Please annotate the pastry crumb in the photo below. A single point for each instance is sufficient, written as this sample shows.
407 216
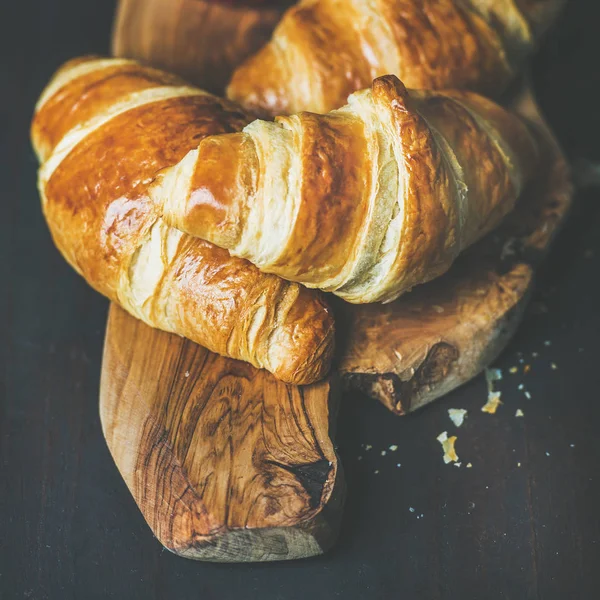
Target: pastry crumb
527 395
448 447
457 464
572 446
518 464
547 453
383 453
519 413
393 448
360 458
521 387
493 374
376 472
368 447
534 354
457 415
187 373
398 465
513 370
469 465
553 366
526 368
411 509
491 406
438 309
547 343
508 248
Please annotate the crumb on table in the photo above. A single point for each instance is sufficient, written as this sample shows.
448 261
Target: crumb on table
448 447
457 415
491 406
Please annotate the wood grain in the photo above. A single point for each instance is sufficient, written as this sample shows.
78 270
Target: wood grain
199 40
225 462
430 341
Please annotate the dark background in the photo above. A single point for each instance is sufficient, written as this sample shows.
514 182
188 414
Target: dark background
70 529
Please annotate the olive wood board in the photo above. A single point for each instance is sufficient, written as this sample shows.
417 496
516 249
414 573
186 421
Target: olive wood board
225 462
201 40
428 342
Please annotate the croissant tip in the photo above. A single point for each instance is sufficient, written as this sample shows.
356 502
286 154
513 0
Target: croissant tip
389 88
262 96
318 366
307 342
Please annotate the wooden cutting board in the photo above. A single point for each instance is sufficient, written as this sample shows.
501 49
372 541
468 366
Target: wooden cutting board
225 462
201 40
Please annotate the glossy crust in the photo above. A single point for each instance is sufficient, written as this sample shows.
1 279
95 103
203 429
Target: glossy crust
103 130
199 40
323 50
366 201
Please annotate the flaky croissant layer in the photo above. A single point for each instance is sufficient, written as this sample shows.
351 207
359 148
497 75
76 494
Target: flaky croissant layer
103 131
366 201
323 50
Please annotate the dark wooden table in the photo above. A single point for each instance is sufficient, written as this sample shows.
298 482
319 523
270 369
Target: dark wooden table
522 522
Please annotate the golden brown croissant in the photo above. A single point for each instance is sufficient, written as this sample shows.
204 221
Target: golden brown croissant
323 50
366 201
103 130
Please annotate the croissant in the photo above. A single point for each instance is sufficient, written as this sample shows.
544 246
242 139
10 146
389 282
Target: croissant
322 50
103 129
366 201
